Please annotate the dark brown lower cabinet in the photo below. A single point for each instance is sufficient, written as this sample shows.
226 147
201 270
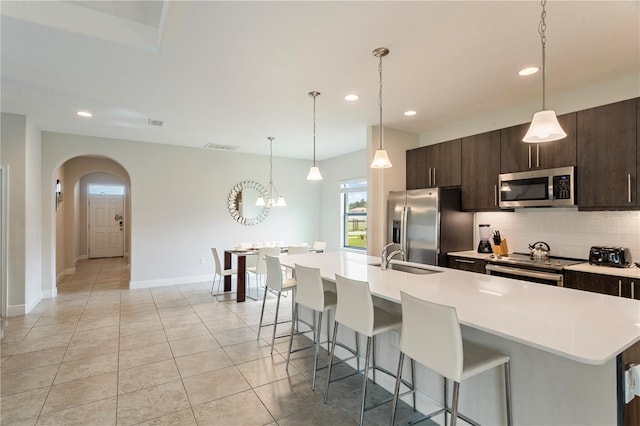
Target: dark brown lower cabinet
600 283
467 264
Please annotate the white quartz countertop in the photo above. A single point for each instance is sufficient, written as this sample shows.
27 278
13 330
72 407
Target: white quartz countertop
632 272
586 327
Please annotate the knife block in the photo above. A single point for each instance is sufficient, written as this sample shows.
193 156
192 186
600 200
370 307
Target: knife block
501 248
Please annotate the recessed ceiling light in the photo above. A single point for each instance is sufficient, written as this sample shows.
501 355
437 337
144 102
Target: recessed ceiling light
352 97
528 71
84 114
410 113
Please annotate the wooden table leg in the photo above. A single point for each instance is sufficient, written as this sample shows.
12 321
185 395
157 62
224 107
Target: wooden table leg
242 273
227 265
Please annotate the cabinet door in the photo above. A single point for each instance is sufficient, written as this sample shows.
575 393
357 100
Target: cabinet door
467 264
447 163
518 156
480 169
597 283
607 156
416 165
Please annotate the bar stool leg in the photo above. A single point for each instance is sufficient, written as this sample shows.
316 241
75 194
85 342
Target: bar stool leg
413 382
357 352
317 344
454 403
507 389
446 399
275 323
295 315
264 301
328 329
333 349
373 357
396 391
365 379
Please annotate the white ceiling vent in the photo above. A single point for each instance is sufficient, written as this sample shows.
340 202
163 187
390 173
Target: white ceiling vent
221 147
158 123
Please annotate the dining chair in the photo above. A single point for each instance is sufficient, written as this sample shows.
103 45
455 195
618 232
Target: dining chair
311 294
355 310
278 284
431 336
298 250
219 272
319 246
259 266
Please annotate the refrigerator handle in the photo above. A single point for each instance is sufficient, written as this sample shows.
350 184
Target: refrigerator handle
403 231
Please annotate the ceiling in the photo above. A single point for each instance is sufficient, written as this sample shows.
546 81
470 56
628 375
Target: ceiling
232 73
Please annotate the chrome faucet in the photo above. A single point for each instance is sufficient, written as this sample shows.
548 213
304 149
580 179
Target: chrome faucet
385 259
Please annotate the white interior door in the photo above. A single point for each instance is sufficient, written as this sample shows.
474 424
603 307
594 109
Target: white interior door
105 231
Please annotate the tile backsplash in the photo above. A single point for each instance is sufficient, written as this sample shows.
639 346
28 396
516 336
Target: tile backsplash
569 232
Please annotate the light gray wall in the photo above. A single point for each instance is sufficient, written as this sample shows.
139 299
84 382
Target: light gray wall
21 153
335 171
179 203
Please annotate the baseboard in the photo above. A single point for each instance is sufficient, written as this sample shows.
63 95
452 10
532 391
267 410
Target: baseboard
33 303
82 257
164 282
60 276
50 294
15 310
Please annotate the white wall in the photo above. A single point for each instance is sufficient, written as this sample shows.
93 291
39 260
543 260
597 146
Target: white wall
569 232
334 171
381 181
179 203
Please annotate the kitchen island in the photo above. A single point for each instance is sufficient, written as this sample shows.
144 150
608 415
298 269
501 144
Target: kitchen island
565 345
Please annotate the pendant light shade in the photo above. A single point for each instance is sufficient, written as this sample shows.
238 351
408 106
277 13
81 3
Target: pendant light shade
544 126
273 192
314 171
381 158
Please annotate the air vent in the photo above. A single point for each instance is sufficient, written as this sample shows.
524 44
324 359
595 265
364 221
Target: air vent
155 122
221 147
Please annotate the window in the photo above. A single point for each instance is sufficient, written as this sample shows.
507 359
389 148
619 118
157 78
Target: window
106 189
353 196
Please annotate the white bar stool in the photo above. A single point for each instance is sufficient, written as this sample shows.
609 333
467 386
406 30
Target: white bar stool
311 293
276 283
431 336
355 310
219 272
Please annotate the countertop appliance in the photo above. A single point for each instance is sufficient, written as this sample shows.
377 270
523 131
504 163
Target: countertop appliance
521 266
428 223
619 257
484 246
538 188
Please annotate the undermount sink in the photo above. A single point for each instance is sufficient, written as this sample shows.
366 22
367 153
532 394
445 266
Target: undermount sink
408 268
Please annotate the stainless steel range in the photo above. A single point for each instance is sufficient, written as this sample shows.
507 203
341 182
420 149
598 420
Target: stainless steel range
520 266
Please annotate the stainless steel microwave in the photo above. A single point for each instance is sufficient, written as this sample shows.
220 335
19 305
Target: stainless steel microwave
537 188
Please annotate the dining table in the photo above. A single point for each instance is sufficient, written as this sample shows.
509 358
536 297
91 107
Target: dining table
241 255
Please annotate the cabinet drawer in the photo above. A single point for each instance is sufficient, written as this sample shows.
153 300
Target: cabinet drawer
467 264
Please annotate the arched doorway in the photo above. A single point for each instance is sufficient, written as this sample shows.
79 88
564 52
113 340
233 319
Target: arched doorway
84 178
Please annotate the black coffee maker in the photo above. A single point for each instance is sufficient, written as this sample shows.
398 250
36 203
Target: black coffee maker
485 233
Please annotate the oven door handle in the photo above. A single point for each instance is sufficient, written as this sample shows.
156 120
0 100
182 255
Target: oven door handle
525 273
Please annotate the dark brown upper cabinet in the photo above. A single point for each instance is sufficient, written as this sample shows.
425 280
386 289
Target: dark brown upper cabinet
434 165
480 169
607 169
518 156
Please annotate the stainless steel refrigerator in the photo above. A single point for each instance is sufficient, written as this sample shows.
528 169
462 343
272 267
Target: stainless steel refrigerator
429 223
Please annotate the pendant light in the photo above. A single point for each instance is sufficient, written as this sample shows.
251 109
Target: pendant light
314 171
272 201
544 126
381 158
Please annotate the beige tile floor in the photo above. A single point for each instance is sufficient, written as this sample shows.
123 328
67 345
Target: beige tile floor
101 354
